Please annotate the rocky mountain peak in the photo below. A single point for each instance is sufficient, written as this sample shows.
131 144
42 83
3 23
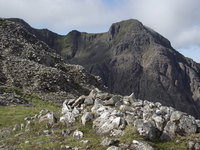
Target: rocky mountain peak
132 29
125 27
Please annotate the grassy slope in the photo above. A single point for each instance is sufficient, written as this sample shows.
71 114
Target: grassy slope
11 115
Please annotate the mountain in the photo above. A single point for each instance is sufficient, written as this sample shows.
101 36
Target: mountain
131 57
29 64
35 80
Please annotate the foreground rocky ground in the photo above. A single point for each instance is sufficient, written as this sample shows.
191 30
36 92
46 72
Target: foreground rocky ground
103 121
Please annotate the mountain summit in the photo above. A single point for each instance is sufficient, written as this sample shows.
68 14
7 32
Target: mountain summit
132 58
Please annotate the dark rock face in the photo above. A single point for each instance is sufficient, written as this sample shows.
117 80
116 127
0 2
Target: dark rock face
133 58
29 64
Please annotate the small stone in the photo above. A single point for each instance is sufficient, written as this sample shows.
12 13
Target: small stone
197 146
125 108
22 126
178 141
113 148
124 146
108 142
27 118
40 142
47 132
26 142
84 141
66 133
68 147
141 145
191 145
28 122
16 127
77 135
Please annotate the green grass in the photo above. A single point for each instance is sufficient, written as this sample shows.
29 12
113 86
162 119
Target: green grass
11 115
130 134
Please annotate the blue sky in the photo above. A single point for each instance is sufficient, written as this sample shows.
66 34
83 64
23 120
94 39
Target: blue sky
177 20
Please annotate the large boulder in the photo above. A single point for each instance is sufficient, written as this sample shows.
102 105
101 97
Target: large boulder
176 116
147 129
169 131
187 125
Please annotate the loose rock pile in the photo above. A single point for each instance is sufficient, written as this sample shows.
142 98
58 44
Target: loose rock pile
110 114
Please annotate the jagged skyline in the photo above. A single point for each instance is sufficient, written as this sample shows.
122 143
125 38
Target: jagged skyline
176 20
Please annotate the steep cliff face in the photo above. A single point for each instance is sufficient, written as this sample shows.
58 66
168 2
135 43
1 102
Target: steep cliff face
29 64
133 58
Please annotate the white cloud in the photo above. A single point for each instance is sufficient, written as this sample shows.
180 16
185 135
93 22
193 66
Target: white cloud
178 20
190 36
168 17
191 52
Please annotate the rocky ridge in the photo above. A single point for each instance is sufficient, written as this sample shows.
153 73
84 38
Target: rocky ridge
29 64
